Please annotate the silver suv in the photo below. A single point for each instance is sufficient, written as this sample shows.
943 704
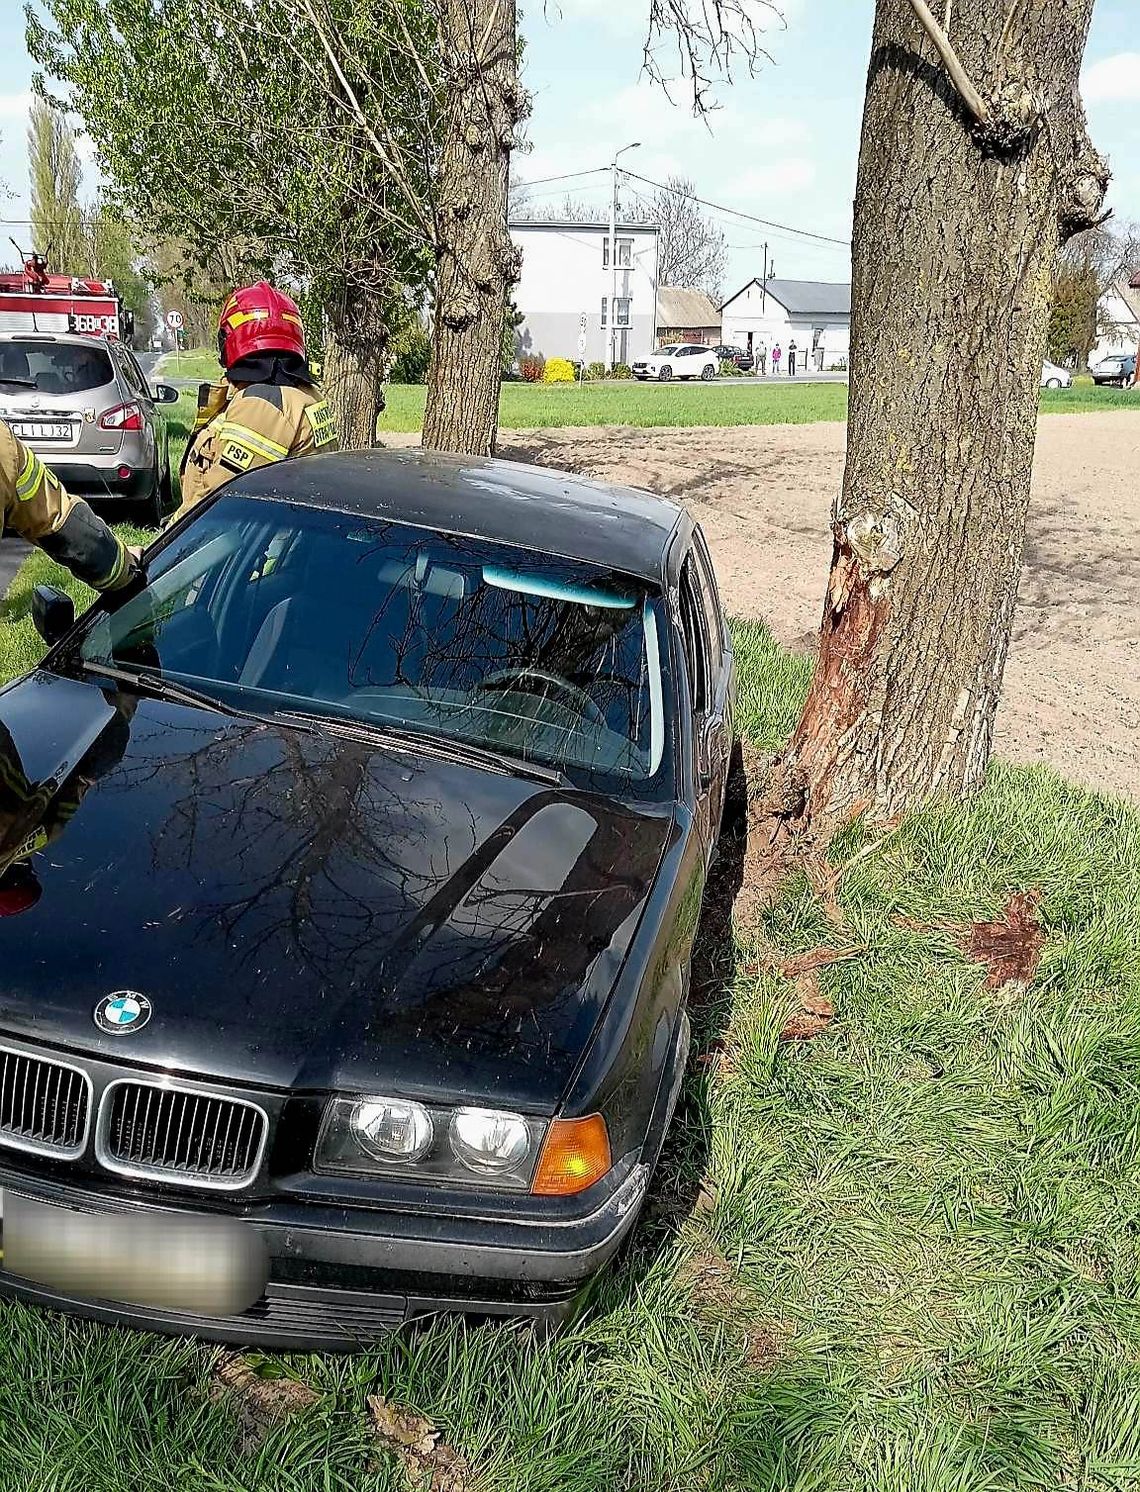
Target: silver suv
84 405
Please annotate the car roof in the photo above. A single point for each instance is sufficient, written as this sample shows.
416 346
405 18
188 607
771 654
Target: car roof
76 339
533 507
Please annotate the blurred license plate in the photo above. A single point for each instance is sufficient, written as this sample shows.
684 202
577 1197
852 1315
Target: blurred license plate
35 430
207 1266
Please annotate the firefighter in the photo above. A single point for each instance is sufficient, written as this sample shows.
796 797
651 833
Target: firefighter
268 408
34 504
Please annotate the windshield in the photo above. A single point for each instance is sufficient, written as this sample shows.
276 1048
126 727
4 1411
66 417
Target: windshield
53 367
276 607
670 351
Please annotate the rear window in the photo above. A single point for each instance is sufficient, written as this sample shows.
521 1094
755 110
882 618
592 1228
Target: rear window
53 367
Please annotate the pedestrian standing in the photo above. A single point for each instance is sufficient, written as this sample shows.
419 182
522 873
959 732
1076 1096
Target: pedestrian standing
776 356
791 359
762 358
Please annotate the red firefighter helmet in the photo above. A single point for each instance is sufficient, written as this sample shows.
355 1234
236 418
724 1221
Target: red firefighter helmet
259 318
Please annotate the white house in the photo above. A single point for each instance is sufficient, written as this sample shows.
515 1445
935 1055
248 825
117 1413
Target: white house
1118 313
812 313
566 286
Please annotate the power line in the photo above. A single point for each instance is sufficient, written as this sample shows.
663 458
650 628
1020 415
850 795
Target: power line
736 213
566 176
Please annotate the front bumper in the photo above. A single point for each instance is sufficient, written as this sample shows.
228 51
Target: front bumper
341 1277
342 1272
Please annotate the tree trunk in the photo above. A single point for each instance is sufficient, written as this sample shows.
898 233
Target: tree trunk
353 372
476 263
957 226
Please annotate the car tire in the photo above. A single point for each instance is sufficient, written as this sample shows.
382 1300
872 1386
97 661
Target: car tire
149 511
708 373
166 492
1053 383
664 373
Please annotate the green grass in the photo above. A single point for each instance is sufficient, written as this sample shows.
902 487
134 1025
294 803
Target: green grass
528 406
903 1257
197 363
525 406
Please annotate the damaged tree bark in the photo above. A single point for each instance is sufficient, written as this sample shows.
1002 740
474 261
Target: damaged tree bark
476 262
959 214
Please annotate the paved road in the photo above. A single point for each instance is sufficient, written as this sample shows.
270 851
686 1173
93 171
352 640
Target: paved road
13 552
799 378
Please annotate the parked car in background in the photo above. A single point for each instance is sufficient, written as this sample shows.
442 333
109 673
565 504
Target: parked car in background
349 878
1117 370
83 404
742 358
679 360
1054 377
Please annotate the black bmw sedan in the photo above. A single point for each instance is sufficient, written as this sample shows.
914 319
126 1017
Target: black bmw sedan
349 873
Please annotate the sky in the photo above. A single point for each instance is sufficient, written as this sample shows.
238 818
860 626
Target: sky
783 146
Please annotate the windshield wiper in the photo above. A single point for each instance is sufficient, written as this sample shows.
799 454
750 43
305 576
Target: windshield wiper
148 682
444 746
20 383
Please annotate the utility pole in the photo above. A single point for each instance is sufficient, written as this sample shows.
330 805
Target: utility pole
764 285
613 253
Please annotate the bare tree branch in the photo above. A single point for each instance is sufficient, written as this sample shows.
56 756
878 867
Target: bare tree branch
709 37
958 75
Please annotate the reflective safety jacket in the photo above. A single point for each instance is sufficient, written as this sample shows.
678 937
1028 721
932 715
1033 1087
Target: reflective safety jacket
34 504
240 429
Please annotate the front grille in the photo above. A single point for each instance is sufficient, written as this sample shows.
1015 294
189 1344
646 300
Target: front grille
182 1135
45 1106
320 1316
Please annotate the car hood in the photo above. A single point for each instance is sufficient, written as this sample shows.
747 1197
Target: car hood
306 911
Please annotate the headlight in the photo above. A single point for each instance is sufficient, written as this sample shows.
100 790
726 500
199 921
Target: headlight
392 1130
372 1136
489 1141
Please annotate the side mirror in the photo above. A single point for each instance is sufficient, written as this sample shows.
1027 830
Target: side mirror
53 613
165 393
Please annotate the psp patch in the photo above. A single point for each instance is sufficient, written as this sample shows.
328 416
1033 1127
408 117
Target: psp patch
321 423
235 457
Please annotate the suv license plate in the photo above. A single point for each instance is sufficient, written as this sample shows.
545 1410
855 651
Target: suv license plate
27 430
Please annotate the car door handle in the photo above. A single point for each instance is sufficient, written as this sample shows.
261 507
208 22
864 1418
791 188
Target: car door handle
707 735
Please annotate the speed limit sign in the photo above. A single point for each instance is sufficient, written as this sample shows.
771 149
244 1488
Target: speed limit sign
174 320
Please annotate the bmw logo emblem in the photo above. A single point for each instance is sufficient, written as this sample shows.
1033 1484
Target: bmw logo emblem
122 1013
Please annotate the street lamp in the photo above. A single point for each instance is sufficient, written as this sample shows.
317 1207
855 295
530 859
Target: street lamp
613 250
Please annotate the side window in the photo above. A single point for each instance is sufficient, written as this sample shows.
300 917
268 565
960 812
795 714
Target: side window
133 375
693 628
710 596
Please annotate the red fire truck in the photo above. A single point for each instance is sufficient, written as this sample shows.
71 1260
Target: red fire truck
32 300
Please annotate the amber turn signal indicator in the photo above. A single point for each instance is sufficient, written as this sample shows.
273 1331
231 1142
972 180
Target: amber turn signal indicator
576 1153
